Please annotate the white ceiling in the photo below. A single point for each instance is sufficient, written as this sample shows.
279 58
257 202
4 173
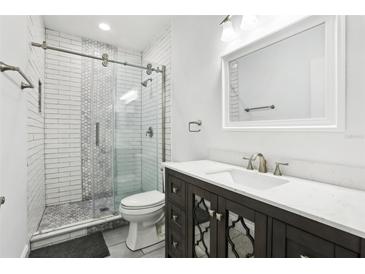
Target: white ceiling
129 31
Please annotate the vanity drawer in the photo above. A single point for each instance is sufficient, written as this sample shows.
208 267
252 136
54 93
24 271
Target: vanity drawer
176 245
176 190
300 244
177 220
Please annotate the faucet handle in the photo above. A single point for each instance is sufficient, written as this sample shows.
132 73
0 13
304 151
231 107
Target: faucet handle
249 165
277 171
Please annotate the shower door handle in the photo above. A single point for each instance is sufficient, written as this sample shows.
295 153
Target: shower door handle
97 134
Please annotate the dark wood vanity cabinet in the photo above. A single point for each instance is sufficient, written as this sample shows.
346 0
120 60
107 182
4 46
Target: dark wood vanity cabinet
204 220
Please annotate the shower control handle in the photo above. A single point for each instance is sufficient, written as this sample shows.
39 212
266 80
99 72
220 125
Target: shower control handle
149 132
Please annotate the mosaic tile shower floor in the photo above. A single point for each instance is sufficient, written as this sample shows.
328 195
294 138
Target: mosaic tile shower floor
69 213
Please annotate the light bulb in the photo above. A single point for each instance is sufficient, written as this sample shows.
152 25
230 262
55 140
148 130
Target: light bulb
104 26
228 33
248 22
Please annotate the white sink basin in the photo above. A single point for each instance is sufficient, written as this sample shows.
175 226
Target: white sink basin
250 179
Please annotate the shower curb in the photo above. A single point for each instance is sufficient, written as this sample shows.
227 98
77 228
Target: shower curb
69 232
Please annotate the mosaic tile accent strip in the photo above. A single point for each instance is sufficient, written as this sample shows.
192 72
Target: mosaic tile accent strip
98 87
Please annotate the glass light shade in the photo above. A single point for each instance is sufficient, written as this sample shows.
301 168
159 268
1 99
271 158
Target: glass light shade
228 33
248 22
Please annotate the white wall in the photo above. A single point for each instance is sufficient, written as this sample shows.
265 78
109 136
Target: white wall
35 126
196 51
13 117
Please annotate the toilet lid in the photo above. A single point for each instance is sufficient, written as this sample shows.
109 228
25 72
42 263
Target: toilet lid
144 199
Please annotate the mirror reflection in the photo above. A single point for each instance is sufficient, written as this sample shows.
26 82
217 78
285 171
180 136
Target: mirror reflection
284 80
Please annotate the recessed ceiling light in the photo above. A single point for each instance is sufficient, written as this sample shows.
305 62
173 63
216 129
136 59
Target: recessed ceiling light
104 26
248 22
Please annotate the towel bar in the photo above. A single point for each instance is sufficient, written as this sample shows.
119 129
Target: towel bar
5 67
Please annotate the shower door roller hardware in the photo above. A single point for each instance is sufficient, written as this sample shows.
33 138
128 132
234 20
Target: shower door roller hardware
198 123
149 132
105 58
2 200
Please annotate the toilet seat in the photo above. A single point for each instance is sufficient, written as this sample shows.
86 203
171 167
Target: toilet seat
145 200
140 211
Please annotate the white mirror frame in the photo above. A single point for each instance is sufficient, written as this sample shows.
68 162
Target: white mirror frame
334 119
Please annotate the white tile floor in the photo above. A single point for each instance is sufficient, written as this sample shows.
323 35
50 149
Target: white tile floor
115 240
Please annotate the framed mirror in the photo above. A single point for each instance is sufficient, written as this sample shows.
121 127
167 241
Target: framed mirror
292 79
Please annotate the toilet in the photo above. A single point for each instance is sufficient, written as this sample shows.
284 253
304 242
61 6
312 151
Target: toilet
143 211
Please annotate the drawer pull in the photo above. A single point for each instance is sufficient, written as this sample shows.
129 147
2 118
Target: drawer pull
219 216
303 256
175 244
174 217
175 189
211 212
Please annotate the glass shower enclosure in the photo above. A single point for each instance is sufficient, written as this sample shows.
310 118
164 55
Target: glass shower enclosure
120 135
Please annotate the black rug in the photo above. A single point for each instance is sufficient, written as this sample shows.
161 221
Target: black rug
90 246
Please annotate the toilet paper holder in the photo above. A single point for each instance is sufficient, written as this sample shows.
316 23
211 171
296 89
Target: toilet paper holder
198 123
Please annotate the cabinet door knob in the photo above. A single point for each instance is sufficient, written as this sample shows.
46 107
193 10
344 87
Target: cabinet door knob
219 216
175 244
175 189
174 217
211 212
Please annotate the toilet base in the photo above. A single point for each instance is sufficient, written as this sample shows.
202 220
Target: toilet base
141 236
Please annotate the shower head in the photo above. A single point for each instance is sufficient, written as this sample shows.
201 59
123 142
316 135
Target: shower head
144 83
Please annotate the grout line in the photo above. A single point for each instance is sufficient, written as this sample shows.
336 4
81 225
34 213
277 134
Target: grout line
123 242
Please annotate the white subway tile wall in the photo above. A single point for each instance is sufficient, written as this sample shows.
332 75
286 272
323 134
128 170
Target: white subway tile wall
35 126
158 53
62 120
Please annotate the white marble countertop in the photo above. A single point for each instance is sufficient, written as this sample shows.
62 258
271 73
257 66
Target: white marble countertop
336 206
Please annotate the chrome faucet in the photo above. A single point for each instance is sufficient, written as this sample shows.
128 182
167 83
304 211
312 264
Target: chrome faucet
262 162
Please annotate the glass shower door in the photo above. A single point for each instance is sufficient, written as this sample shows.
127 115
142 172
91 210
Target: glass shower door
151 130
137 131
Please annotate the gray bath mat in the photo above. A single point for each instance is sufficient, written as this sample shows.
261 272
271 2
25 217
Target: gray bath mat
90 246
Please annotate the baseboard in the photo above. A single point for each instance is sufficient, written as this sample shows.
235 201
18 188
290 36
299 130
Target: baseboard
25 252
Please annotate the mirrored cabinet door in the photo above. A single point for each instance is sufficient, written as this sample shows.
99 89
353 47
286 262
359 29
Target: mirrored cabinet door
202 226
241 231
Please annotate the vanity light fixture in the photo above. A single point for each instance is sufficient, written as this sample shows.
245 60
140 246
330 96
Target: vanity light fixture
228 33
104 26
248 22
